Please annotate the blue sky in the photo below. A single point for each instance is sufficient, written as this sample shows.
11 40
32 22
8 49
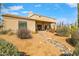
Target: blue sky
62 12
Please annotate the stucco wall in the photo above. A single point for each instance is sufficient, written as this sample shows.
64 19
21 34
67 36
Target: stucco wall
31 25
12 23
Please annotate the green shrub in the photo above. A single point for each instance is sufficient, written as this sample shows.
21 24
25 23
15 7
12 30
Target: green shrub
4 31
51 30
8 49
73 42
74 37
11 33
63 31
73 29
76 51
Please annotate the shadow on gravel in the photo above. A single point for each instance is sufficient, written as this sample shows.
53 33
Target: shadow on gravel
59 35
23 54
71 42
66 55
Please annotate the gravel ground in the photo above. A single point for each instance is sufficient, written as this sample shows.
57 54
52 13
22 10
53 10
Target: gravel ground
37 46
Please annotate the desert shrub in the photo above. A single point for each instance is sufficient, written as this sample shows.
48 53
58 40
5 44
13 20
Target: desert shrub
8 49
74 36
76 51
51 30
73 28
63 31
4 31
11 33
24 34
72 41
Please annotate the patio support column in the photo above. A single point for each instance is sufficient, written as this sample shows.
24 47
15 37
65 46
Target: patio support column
42 27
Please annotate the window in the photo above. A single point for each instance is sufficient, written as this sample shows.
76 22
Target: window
22 25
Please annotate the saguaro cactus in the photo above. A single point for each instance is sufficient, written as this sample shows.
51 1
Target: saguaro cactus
78 13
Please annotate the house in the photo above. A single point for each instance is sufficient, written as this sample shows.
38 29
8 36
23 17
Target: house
32 22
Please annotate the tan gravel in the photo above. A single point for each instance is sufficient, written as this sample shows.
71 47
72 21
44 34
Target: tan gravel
36 46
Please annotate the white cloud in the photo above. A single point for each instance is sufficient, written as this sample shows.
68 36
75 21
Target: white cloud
16 7
72 5
15 13
24 11
4 10
37 5
7 11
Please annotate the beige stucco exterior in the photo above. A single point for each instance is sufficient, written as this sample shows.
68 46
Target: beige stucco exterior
10 22
31 25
